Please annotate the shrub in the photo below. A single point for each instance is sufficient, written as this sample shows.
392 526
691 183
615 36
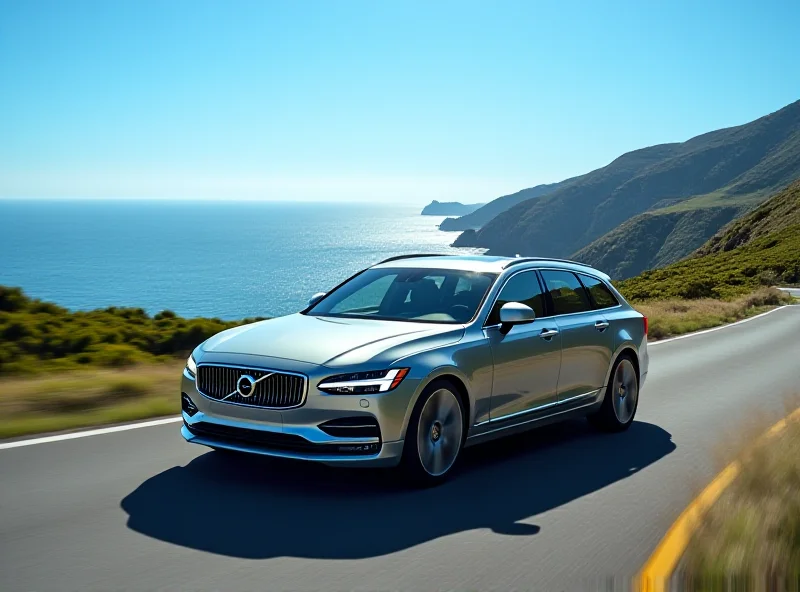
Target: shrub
165 314
12 299
117 355
39 336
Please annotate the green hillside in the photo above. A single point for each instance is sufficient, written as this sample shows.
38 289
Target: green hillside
781 211
729 168
655 239
626 251
762 248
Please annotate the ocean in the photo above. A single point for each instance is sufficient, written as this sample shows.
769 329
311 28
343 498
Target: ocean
230 260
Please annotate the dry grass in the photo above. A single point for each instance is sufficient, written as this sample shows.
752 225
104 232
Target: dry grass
76 399
750 539
676 317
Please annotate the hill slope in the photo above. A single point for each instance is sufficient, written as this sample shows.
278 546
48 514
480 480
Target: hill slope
497 206
777 213
762 248
736 166
654 239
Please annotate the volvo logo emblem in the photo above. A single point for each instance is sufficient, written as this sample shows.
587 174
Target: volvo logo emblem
245 386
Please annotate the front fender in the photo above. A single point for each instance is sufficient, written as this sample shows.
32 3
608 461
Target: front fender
469 361
447 371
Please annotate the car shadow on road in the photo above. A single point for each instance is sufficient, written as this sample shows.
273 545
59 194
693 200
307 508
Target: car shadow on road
257 507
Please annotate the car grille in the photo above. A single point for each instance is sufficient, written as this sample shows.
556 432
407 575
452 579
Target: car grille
278 390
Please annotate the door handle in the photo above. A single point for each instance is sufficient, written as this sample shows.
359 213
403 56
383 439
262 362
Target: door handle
548 333
601 325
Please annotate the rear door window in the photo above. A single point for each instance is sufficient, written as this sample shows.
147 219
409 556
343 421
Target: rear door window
567 293
602 296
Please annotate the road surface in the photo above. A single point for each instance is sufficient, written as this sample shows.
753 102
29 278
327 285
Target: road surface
559 508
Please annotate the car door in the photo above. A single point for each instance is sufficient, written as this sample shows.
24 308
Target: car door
586 341
526 358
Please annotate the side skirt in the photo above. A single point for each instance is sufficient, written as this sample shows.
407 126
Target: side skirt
535 418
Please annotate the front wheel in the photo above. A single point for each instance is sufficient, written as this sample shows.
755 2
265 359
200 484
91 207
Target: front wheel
435 434
621 399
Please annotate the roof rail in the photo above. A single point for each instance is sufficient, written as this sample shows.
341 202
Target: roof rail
411 256
527 259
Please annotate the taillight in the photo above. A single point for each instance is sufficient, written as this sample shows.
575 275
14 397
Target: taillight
646 325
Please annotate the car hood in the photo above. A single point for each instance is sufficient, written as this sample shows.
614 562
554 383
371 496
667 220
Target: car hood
331 341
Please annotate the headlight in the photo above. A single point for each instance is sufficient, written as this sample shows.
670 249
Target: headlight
191 366
357 383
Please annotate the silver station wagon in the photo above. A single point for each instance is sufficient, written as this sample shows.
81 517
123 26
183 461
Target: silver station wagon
411 360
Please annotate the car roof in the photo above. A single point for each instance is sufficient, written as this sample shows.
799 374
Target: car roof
484 263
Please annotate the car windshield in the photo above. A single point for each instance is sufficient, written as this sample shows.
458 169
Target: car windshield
401 294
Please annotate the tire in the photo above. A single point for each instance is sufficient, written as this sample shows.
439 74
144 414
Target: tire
621 398
435 435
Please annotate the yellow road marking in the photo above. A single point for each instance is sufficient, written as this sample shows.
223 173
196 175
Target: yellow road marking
656 572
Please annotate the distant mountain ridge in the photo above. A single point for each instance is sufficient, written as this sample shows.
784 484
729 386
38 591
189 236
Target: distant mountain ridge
728 170
448 208
497 206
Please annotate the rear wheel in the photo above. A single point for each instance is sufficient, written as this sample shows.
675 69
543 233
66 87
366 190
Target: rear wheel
621 399
435 434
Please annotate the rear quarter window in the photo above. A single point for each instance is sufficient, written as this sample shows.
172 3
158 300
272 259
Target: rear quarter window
602 296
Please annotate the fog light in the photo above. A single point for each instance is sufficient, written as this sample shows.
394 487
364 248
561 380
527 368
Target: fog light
187 405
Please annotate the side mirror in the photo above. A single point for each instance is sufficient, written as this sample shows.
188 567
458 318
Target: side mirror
515 313
316 298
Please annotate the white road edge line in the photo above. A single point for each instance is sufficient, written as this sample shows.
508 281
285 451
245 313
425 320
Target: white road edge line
166 420
703 332
87 433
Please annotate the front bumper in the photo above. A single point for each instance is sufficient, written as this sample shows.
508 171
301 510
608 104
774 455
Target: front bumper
388 456
295 433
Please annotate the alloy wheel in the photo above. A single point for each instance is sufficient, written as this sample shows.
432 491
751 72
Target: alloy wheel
625 391
439 432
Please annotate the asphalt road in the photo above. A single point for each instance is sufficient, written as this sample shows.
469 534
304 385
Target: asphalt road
558 508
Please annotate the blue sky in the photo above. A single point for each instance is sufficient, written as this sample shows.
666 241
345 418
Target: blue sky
394 101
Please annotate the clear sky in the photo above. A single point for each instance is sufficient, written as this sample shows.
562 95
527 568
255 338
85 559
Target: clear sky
374 100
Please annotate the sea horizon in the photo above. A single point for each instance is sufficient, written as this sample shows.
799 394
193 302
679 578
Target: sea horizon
207 258
201 200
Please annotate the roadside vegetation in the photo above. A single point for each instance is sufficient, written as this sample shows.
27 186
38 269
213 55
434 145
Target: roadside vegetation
66 400
750 538
676 316
39 337
61 370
